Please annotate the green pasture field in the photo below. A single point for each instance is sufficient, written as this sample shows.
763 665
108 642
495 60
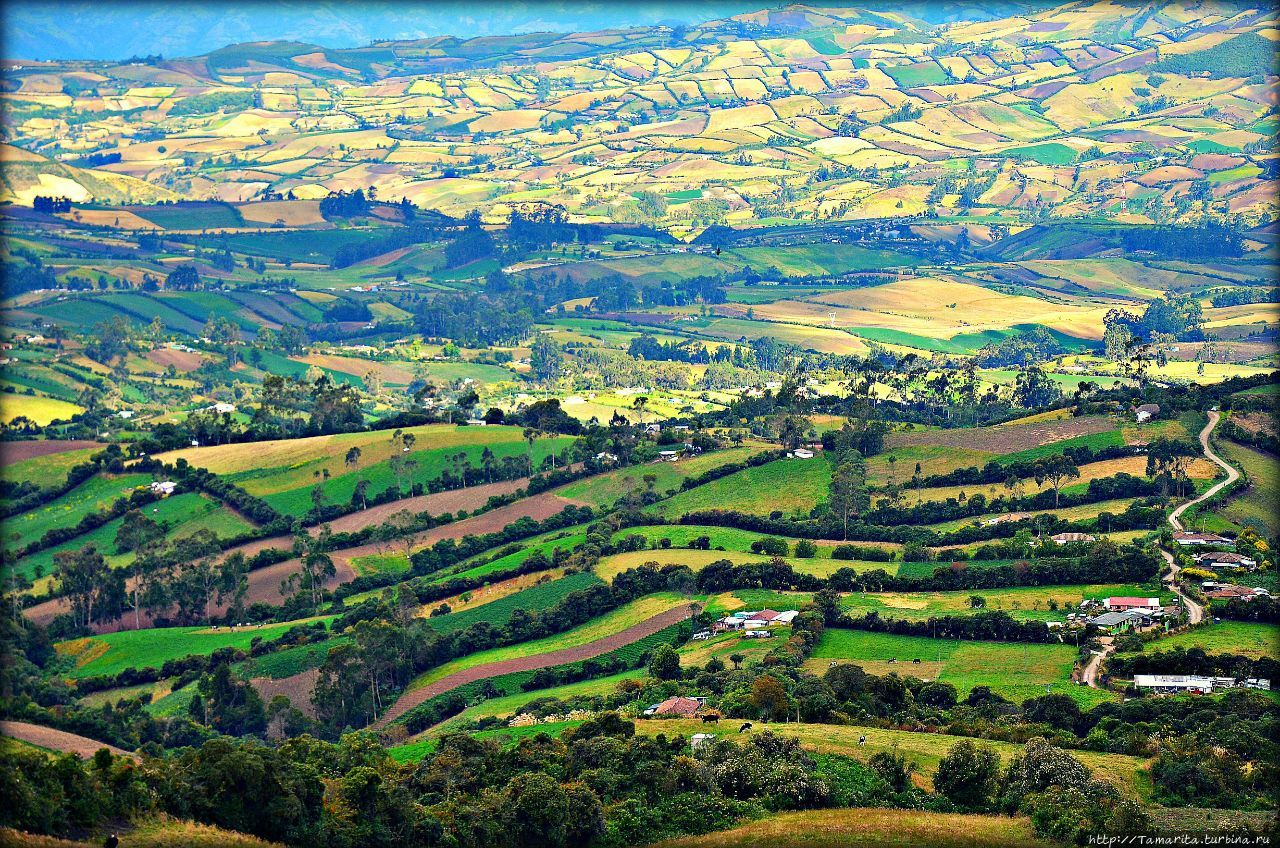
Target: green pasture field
509 684
603 490
424 746
1247 638
144 309
597 628
112 653
611 566
1015 670
289 661
1047 153
729 538
925 749
1024 602
391 562
274 363
913 76
1260 502
271 483
42 379
47 471
1069 513
314 246
183 514
498 612
786 485
96 493
507 705
545 545
190 216
820 259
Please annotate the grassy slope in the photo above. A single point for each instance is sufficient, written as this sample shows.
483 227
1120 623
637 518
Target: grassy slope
112 653
788 485
1014 670
597 628
867 827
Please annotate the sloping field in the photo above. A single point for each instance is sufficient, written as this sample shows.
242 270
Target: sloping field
58 740
494 604
544 653
926 749
1016 671
787 485
855 827
1005 439
602 490
114 652
435 504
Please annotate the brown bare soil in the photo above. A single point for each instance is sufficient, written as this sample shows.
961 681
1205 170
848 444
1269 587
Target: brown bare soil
1012 438
58 740
297 688
436 504
553 658
182 360
264 583
11 452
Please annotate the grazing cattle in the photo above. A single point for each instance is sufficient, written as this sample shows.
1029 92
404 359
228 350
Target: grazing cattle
862 740
893 659
712 718
745 727
917 662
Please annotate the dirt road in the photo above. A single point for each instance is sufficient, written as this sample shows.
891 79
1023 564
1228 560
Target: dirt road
553 658
1195 612
1232 474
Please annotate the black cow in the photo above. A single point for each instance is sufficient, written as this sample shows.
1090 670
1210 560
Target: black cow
745 727
711 718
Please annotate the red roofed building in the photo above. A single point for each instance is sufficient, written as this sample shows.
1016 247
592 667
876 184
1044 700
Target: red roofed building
764 615
1126 604
679 705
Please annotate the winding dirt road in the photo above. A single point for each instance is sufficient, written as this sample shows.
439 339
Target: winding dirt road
552 658
1195 611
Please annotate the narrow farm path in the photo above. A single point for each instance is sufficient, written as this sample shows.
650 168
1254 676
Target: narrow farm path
58 740
552 658
1232 474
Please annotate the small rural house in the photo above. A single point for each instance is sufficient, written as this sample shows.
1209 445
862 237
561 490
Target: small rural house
677 705
1231 592
801 453
1225 559
1146 412
1067 538
164 488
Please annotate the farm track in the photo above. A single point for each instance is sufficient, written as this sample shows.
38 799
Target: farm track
552 658
264 583
58 740
1195 610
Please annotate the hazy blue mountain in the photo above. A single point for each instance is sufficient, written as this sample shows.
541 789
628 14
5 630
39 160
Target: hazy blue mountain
120 29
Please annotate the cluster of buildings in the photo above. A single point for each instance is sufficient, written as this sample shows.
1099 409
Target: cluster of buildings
1225 560
1194 684
1216 591
1122 614
754 625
